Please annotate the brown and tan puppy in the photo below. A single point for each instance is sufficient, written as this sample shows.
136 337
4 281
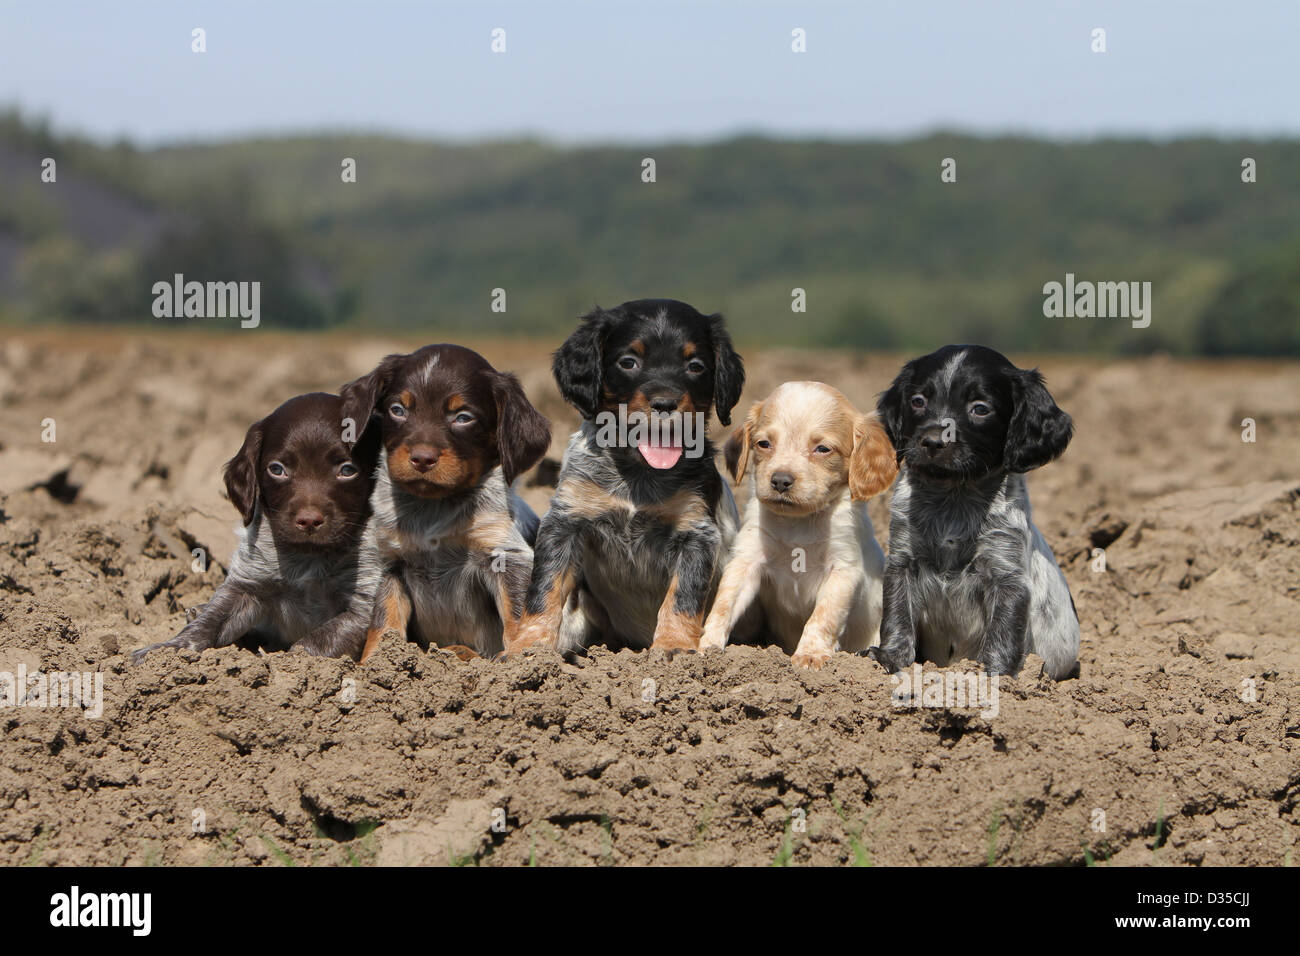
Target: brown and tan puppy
805 571
307 568
455 538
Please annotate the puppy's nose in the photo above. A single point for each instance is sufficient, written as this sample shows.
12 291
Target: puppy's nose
664 403
309 520
424 457
782 480
933 441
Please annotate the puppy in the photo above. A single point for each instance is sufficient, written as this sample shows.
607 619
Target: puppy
307 569
969 575
630 553
805 570
455 539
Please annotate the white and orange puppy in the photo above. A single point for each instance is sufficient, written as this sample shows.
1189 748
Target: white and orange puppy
805 570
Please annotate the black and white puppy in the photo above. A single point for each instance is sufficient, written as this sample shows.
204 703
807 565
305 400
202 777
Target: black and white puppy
307 567
968 574
633 546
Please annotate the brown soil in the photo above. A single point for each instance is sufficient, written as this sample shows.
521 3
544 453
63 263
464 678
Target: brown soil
734 758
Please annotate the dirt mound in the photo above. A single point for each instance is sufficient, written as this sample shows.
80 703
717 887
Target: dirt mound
1176 745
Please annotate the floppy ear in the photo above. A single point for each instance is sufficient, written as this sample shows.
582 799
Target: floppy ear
873 466
242 474
736 451
523 434
1039 430
360 396
728 370
577 363
889 410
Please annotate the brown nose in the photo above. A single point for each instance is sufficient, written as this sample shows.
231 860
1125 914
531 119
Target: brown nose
424 457
309 520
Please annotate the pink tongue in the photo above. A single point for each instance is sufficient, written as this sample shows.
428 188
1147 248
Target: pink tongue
660 456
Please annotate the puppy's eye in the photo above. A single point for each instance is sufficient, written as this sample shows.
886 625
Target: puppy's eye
918 402
980 410
463 418
348 470
397 410
763 443
695 366
821 450
276 470
629 363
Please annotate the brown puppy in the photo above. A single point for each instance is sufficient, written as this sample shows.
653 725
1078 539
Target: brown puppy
455 539
306 570
805 571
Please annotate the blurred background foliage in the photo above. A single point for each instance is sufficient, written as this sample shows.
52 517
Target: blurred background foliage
888 255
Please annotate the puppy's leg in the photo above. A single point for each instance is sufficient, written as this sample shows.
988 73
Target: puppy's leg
1006 616
897 648
343 635
835 598
739 587
392 612
680 623
229 615
582 624
508 571
554 576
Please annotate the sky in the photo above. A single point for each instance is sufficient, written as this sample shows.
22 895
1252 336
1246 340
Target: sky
618 71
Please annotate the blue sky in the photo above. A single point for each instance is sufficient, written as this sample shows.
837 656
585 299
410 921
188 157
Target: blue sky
629 72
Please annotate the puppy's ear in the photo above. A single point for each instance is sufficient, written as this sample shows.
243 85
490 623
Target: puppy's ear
242 474
523 434
889 410
577 363
1039 430
365 452
728 370
736 451
873 466
360 396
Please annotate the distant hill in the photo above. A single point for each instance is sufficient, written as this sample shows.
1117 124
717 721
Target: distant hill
889 256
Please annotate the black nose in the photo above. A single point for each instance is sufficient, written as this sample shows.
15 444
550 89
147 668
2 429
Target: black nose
933 441
782 480
309 520
664 404
424 457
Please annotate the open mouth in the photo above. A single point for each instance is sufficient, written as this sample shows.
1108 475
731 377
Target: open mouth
658 454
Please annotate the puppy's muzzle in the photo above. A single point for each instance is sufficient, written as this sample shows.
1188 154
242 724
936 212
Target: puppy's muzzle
309 520
782 481
933 445
424 457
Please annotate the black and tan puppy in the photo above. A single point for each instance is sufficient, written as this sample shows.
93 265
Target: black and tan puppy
632 548
455 539
306 570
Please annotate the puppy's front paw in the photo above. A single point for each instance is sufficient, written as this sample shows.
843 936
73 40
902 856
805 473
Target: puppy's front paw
138 655
676 634
528 634
713 639
460 652
810 660
883 658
